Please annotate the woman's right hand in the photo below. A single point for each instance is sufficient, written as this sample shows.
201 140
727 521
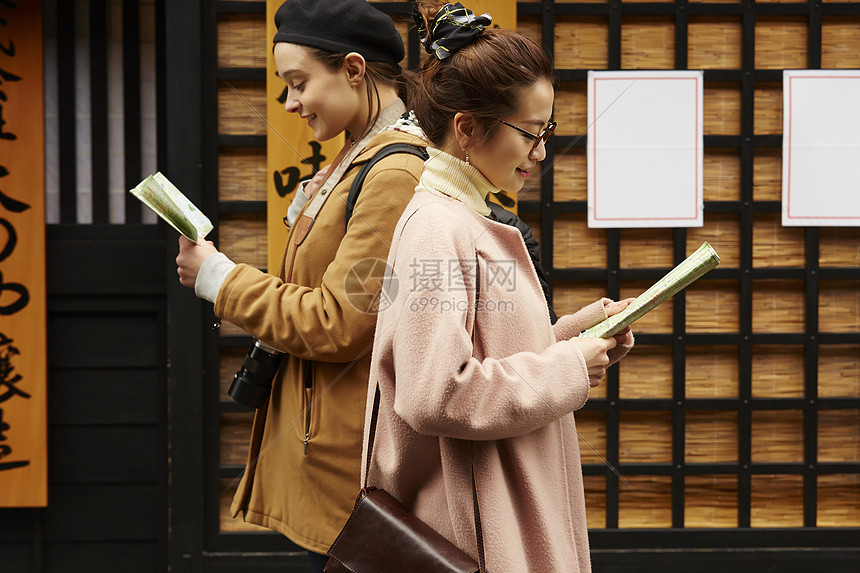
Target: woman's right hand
190 258
596 354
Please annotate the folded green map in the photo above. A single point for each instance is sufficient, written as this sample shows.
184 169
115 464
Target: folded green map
168 202
700 262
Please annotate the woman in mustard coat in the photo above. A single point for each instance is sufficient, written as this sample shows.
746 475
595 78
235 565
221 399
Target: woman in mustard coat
339 61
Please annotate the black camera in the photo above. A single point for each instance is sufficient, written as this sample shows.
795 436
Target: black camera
252 384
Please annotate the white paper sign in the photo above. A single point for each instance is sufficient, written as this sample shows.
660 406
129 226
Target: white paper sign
821 148
645 149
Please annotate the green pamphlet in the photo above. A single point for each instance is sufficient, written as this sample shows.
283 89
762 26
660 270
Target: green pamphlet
693 267
168 202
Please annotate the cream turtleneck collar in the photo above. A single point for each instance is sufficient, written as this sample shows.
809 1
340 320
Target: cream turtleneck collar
457 179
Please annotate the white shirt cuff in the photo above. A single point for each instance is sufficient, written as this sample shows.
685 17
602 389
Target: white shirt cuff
212 274
298 202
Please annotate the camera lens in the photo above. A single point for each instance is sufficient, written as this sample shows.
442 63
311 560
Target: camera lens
252 384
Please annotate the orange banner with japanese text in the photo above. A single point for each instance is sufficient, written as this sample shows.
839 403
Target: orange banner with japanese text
23 322
292 154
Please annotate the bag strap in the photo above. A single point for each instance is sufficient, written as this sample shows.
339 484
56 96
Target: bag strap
357 183
479 532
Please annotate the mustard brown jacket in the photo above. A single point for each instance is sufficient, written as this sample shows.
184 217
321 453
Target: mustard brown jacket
303 467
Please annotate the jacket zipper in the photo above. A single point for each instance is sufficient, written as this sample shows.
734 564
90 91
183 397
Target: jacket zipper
308 402
307 419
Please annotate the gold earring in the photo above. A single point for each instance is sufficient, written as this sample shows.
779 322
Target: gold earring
467 157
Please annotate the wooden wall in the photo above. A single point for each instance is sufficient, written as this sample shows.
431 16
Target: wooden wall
740 406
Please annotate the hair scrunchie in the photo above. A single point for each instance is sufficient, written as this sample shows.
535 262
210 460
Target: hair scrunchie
453 28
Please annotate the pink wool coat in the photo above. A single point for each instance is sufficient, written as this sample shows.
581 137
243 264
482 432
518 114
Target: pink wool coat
489 383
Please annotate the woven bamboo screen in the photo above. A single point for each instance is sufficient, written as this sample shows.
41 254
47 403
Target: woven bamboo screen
740 405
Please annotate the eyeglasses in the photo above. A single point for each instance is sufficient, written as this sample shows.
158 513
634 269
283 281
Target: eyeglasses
542 136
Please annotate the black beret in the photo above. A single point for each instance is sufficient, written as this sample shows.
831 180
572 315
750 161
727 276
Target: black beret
340 26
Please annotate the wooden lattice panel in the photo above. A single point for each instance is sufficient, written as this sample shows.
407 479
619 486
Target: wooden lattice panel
712 306
591 428
839 436
581 42
777 371
235 436
722 231
242 108
570 181
243 238
768 108
595 501
722 108
241 41
711 372
710 501
780 42
775 245
767 174
646 248
530 27
242 174
776 500
645 502
839 371
648 43
777 436
839 247
645 437
714 42
839 306
577 246
840 42
778 306
711 436
571 109
722 174
839 500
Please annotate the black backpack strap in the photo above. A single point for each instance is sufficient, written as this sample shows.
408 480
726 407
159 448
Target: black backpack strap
355 188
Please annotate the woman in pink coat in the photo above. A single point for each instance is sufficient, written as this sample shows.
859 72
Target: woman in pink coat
476 388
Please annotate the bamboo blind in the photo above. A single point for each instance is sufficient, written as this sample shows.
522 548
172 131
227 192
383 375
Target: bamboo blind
721 174
710 501
777 372
242 174
767 174
645 437
646 248
645 502
716 377
241 41
648 42
714 43
777 501
840 42
711 372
